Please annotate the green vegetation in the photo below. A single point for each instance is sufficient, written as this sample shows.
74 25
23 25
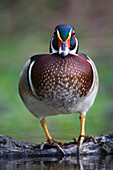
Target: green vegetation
16 119
26 29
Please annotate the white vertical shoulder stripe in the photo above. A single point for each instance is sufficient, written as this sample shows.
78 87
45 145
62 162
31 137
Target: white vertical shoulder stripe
29 76
95 75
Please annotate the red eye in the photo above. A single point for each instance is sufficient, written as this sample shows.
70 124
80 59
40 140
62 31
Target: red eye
55 33
73 33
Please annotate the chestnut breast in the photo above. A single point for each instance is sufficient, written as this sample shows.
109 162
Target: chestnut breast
59 80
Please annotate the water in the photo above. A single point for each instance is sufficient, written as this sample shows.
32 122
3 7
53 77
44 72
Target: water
97 162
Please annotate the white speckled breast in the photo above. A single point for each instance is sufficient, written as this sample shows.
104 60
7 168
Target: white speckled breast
60 82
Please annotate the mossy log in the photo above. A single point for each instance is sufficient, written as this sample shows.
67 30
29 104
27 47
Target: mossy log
18 149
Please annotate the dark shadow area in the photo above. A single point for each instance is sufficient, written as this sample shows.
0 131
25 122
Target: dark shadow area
85 163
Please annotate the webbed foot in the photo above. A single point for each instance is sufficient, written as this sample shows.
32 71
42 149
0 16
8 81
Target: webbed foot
81 140
55 144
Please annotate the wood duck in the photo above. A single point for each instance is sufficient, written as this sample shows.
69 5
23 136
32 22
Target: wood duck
62 82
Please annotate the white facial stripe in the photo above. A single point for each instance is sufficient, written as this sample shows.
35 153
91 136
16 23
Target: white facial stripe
70 51
29 76
69 35
53 50
76 44
75 49
70 32
58 32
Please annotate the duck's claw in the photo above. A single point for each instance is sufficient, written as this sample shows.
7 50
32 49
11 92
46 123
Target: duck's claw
55 144
81 140
75 140
90 137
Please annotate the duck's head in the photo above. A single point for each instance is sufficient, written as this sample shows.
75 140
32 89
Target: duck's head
64 41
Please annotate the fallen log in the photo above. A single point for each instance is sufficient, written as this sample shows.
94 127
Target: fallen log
10 148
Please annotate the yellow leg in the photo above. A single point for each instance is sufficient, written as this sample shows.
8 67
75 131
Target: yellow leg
49 138
82 132
82 135
44 125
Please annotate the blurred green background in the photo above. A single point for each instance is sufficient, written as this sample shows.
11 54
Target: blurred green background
26 28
